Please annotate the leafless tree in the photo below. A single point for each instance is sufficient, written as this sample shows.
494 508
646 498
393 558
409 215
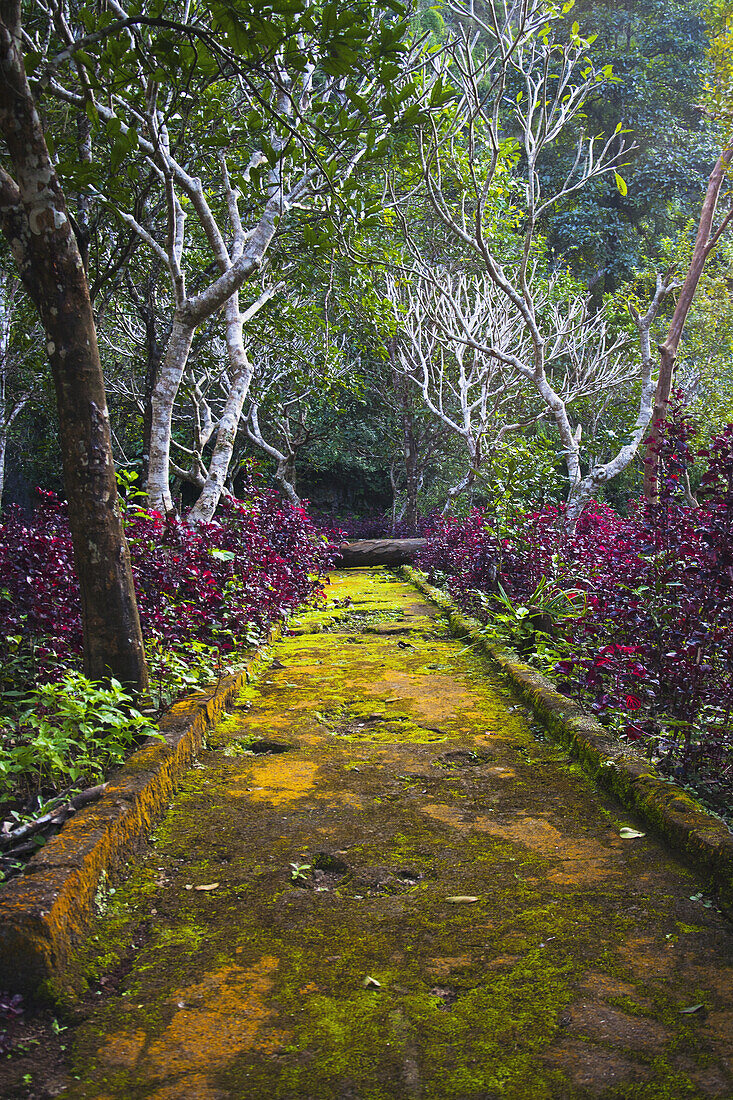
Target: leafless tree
465 387
519 85
292 378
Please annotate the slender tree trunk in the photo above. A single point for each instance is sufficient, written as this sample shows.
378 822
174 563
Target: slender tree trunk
152 373
455 491
145 304
285 470
83 205
4 369
164 397
285 477
36 223
410 451
705 241
3 450
226 437
412 472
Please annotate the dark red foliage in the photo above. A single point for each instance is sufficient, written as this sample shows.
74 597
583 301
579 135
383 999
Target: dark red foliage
260 559
653 653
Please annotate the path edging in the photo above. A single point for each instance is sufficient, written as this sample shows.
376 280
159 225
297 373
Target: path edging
702 839
46 912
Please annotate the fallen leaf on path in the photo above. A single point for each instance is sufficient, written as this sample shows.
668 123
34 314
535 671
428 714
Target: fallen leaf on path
629 834
692 1008
461 899
208 886
371 983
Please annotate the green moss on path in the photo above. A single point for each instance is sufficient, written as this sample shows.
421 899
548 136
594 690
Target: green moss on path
330 958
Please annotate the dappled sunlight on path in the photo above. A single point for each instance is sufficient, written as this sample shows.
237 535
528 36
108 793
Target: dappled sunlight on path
383 881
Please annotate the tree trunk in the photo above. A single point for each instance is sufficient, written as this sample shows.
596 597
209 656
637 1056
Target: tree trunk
4 370
285 477
460 487
704 243
36 223
241 368
164 397
3 449
145 305
83 205
378 552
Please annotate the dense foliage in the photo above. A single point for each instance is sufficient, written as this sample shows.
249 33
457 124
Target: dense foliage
382 525
203 595
219 584
631 614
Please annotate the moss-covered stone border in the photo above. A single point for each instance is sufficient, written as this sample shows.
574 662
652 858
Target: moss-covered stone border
46 912
703 840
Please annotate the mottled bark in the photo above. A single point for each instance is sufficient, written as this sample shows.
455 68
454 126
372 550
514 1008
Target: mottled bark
601 474
36 223
163 401
191 312
144 300
226 436
83 204
285 469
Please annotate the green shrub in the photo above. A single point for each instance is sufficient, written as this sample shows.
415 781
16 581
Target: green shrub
69 732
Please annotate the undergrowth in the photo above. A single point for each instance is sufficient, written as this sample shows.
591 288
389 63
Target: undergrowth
632 616
206 598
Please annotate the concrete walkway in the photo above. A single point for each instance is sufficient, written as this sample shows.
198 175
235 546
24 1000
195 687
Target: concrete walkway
383 882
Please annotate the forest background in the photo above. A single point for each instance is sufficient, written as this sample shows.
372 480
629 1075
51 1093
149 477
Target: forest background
331 410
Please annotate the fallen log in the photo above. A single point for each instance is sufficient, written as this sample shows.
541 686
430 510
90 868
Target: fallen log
378 552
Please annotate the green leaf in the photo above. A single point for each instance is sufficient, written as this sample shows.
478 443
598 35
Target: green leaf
621 184
31 60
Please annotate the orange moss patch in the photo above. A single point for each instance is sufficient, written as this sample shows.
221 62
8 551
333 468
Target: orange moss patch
447 815
124 1048
445 965
193 1087
279 781
215 1020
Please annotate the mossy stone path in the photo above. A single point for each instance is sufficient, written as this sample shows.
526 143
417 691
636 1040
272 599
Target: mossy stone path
421 898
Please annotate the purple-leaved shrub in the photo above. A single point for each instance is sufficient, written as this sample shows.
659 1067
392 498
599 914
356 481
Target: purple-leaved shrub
651 651
221 584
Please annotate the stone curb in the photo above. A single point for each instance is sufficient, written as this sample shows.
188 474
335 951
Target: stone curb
46 912
704 841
